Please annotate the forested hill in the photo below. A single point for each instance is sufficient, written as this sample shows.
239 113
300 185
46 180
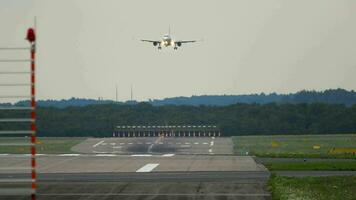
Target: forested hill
236 119
332 96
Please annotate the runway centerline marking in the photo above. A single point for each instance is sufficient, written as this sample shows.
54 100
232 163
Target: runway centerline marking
95 145
148 167
168 155
141 155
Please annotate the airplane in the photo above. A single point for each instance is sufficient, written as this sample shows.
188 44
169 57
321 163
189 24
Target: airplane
168 41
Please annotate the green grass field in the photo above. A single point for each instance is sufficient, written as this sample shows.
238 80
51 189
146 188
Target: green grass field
313 165
318 146
313 188
44 145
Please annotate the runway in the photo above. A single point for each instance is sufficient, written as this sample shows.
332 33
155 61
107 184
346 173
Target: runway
157 145
141 168
184 186
82 163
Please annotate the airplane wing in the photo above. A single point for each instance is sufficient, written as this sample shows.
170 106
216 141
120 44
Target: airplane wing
185 41
152 41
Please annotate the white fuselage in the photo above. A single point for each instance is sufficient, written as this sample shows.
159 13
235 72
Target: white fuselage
167 41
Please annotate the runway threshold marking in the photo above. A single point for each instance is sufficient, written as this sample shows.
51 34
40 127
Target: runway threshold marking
148 167
97 144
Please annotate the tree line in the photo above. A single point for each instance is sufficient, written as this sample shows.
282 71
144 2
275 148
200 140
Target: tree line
236 119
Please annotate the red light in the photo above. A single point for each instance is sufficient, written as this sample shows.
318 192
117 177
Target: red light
31 36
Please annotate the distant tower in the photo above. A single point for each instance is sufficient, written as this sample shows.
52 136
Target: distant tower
131 92
116 93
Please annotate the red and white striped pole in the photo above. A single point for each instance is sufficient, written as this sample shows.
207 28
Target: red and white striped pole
31 37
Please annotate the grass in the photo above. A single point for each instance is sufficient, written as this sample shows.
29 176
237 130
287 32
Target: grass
296 146
313 188
44 145
313 165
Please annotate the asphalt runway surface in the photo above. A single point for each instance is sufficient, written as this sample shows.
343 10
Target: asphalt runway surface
82 163
157 145
141 168
197 185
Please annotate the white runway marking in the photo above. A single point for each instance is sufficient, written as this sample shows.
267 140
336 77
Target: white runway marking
122 143
113 144
160 143
212 143
105 155
141 155
148 167
196 142
187 143
117 147
167 155
210 151
73 154
205 143
184 145
95 145
4 154
129 143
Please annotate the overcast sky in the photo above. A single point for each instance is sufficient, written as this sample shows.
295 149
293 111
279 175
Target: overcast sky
86 47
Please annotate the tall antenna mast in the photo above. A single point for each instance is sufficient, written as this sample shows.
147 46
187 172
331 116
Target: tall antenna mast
131 92
116 93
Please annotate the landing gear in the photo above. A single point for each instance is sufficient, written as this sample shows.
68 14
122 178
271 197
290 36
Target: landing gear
159 47
175 48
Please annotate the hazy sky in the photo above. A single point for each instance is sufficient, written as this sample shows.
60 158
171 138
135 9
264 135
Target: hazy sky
85 47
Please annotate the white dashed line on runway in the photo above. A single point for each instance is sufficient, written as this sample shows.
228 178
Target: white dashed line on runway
167 155
141 155
148 167
95 145
73 154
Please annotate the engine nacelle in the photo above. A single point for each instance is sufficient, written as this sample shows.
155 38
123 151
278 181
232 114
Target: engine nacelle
155 43
179 44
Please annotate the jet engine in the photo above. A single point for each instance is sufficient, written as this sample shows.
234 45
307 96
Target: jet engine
155 43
